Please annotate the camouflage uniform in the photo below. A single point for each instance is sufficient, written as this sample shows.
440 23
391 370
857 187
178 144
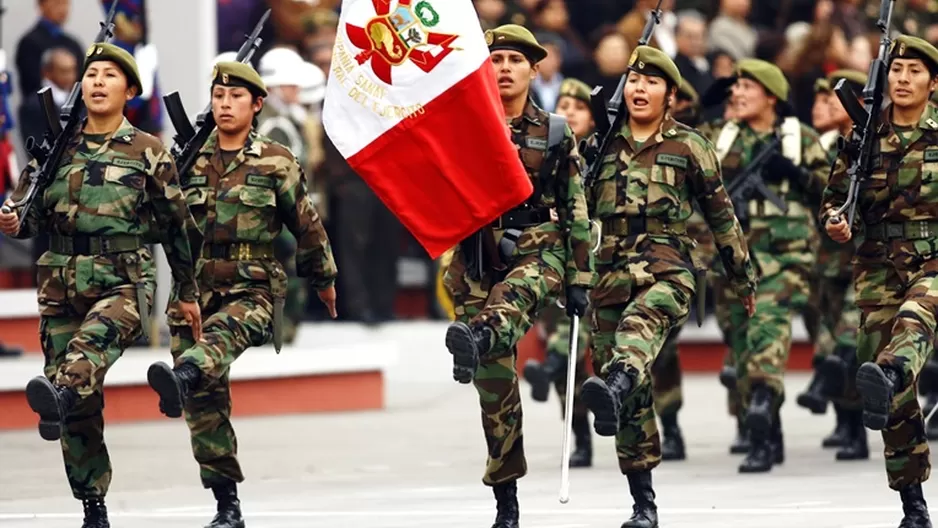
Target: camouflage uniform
648 273
784 248
112 194
894 279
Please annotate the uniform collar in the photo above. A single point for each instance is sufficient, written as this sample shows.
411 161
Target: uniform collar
667 130
252 147
927 123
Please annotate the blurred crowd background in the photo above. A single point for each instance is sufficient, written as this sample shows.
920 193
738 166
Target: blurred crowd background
587 39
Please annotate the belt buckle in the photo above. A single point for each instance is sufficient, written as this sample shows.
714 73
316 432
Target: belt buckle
923 230
894 231
244 251
105 245
80 245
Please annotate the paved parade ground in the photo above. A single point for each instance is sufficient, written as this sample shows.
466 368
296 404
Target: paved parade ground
419 464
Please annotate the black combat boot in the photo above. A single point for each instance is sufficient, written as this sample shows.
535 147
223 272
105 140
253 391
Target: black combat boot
834 371
672 443
728 377
762 453
877 385
173 385
541 375
604 398
506 497
467 345
777 440
582 455
914 508
856 446
813 397
841 430
760 411
95 513
644 510
52 403
229 507
741 444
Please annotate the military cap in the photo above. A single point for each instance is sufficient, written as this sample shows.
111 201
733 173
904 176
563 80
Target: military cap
652 61
517 38
124 60
822 86
856 79
686 91
767 74
238 74
576 89
908 47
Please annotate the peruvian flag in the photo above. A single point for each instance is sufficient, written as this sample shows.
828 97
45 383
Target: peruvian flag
412 104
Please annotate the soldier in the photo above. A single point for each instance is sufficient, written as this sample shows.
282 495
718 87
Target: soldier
642 196
116 189
895 268
783 245
537 260
573 104
243 190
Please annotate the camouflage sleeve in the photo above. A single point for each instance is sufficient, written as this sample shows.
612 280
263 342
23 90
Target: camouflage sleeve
313 251
816 161
835 193
572 200
175 225
707 185
33 220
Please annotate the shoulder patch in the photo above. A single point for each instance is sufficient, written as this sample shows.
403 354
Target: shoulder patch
257 180
128 163
535 143
196 181
671 160
931 155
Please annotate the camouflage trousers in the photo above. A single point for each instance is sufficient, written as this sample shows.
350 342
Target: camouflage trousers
558 342
507 306
666 377
760 344
629 337
898 308
840 323
297 287
231 322
79 350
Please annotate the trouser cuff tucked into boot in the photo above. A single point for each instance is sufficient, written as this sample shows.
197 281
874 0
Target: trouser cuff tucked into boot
506 497
644 509
229 506
914 508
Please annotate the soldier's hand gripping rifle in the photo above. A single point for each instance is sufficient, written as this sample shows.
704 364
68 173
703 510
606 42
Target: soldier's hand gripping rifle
750 183
859 148
62 126
609 118
188 139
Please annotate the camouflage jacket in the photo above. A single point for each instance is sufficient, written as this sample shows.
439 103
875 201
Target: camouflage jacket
563 191
903 187
773 235
126 186
658 182
262 190
833 259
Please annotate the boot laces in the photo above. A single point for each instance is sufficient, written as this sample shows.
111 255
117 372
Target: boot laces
94 510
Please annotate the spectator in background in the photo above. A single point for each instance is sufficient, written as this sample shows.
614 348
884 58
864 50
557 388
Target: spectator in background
490 12
611 56
730 32
545 88
235 19
691 58
633 24
821 52
46 34
552 16
586 16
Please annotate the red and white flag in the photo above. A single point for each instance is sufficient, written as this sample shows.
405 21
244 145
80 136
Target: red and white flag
412 103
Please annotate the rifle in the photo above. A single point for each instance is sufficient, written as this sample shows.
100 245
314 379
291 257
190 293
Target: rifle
55 140
188 139
750 181
614 113
859 148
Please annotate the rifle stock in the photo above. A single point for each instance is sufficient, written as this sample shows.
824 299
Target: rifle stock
48 154
741 188
848 98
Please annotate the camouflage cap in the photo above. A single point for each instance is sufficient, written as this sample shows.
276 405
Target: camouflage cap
124 60
576 89
856 79
822 86
909 47
238 74
686 91
517 38
652 61
767 74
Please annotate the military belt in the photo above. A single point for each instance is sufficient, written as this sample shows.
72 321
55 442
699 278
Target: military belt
93 245
522 218
917 230
238 251
639 225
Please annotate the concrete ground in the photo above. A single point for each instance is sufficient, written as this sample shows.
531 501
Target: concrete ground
419 464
